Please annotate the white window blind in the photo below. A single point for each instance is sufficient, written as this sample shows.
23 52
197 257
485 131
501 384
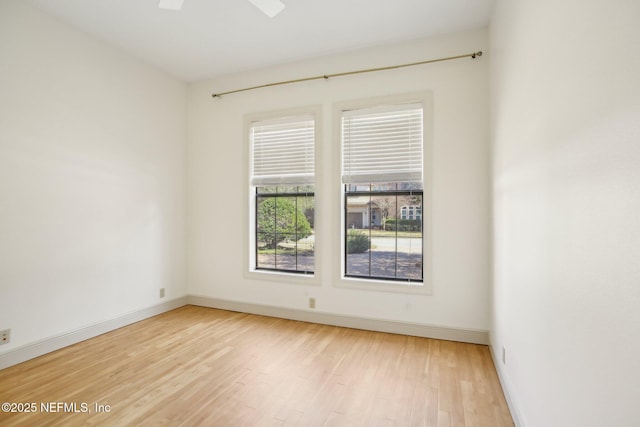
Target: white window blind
382 144
283 151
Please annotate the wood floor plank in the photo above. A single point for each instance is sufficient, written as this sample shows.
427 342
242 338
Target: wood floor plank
200 366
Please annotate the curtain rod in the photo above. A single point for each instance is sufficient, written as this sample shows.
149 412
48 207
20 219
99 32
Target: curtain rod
348 73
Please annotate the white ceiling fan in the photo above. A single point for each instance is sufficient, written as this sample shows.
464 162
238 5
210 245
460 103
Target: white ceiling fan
269 7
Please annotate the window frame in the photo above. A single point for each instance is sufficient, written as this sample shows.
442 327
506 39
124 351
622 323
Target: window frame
396 193
250 200
374 284
276 195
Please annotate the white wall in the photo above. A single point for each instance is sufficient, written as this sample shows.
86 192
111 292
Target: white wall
216 194
566 189
91 179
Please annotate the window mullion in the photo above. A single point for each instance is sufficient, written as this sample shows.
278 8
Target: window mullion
370 244
396 233
295 245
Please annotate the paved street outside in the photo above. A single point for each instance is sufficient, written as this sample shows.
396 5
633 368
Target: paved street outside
383 259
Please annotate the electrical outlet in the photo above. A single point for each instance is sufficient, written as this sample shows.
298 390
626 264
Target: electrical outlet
161 292
504 356
5 336
312 303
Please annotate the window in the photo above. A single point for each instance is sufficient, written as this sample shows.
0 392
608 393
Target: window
282 185
382 156
411 212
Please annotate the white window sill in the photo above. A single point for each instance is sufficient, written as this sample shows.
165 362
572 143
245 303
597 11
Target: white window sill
283 277
384 285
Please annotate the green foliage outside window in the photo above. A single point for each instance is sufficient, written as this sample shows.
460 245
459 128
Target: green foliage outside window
357 242
280 220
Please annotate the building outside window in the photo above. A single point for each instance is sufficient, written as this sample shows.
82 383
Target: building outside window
411 212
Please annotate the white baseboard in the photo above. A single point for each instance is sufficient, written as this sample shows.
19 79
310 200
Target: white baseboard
370 324
507 390
47 345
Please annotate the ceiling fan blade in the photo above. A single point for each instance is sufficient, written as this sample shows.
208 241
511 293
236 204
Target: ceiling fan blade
170 4
269 7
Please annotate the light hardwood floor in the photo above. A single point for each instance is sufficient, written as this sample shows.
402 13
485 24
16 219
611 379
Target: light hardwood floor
201 366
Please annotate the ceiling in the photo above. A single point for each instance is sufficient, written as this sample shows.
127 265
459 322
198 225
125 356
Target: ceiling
208 38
